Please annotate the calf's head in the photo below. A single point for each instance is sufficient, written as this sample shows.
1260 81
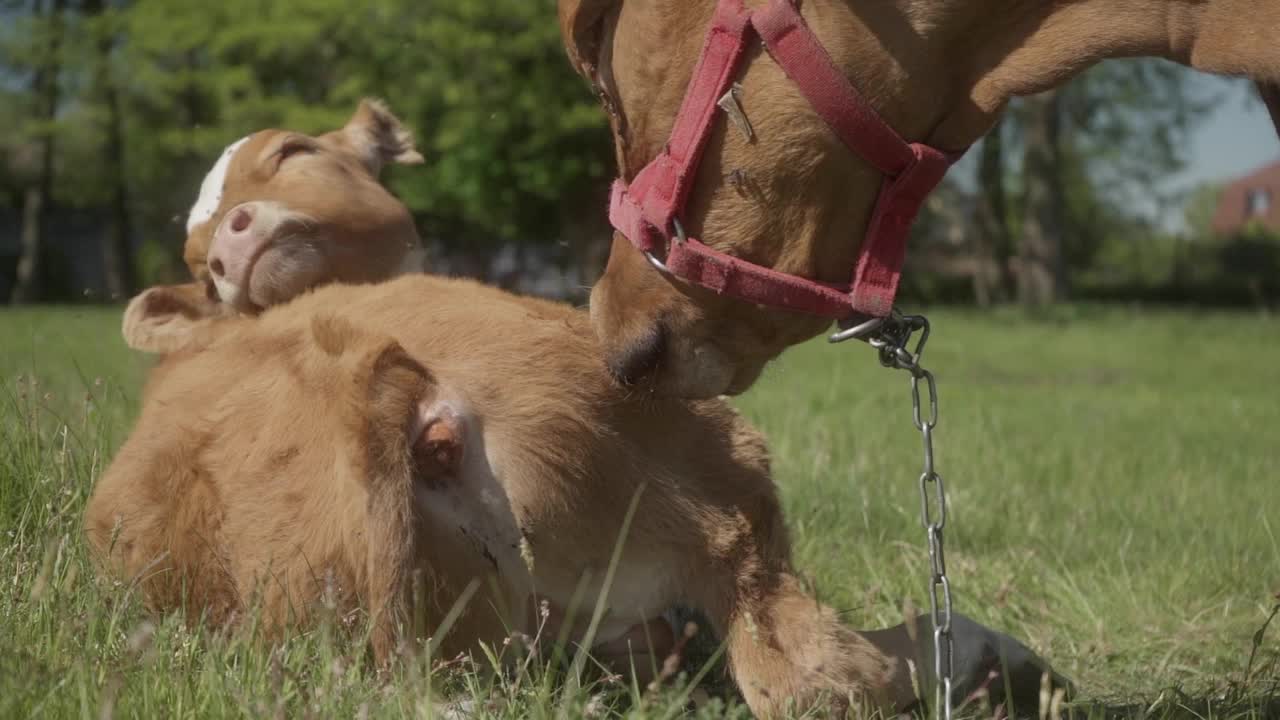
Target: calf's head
281 212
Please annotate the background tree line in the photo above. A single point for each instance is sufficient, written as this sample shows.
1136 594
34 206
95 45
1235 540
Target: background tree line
113 111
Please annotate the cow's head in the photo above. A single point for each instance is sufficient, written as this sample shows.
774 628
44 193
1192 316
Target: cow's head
281 212
789 194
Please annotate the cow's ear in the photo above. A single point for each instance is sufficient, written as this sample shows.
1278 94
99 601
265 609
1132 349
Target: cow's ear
580 29
379 138
168 318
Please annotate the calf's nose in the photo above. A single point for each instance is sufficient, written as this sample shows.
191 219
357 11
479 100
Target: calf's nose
236 243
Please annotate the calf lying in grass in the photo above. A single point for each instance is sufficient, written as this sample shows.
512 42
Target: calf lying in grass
281 212
353 445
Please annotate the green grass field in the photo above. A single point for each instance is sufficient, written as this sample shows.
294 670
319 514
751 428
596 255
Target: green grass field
1114 498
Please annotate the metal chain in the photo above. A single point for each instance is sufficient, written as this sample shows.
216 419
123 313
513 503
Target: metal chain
890 336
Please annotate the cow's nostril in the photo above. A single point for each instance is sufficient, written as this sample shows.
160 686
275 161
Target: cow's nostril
640 357
215 267
241 220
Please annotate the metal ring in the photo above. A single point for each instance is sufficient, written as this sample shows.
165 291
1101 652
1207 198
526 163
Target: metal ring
656 263
867 327
859 331
659 265
675 225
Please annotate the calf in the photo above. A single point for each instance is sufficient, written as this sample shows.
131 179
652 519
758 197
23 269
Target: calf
350 442
282 212
352 448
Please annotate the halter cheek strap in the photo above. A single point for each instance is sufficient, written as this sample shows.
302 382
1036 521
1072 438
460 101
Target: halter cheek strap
646 209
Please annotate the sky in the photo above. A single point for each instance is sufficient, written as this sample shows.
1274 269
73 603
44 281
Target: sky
1236 139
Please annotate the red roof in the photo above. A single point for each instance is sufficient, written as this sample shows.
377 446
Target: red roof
1252 198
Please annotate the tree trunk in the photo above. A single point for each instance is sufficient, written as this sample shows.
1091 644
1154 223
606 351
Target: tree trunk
1041 267
117 249
992 245
29 286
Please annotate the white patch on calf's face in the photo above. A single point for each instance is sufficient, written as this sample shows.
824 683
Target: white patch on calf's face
228 292
212 186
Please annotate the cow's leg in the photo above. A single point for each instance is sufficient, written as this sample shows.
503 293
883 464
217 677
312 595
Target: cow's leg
786 650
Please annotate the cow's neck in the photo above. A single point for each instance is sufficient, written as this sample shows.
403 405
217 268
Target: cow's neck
1032 46
1228 37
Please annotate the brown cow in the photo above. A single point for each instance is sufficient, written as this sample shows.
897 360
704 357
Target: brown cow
791 196
282 212
351 443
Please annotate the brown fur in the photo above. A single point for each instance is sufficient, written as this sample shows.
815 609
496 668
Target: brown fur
939 71
275 452
330 220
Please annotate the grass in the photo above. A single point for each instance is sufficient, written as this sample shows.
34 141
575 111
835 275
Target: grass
1114 503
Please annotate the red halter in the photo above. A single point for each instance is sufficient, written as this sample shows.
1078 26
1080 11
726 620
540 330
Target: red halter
646 211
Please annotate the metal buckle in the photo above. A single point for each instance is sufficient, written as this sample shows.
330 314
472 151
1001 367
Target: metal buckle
659 265
890 335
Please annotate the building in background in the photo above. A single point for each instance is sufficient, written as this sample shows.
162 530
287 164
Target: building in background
1254 198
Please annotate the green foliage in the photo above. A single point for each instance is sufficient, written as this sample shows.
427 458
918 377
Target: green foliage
509 132
1125 127
513 133
513 138
1198 210
1249 258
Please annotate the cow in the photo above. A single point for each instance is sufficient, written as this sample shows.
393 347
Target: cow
843 115
281 212
383 447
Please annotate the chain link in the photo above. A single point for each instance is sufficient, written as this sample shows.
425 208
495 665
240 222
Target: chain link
891 336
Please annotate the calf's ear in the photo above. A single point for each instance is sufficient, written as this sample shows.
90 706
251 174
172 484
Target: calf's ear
168 318
437 438
379 138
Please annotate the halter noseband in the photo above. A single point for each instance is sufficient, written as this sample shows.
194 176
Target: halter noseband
646 210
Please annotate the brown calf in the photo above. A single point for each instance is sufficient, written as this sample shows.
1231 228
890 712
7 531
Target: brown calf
351 440
282 212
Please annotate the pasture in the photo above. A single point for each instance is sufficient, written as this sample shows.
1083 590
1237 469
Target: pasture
1114 503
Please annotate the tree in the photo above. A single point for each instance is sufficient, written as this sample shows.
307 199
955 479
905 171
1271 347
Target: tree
1088 155
1042 276
118 260
47 29
993 244
1199 208
515 143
